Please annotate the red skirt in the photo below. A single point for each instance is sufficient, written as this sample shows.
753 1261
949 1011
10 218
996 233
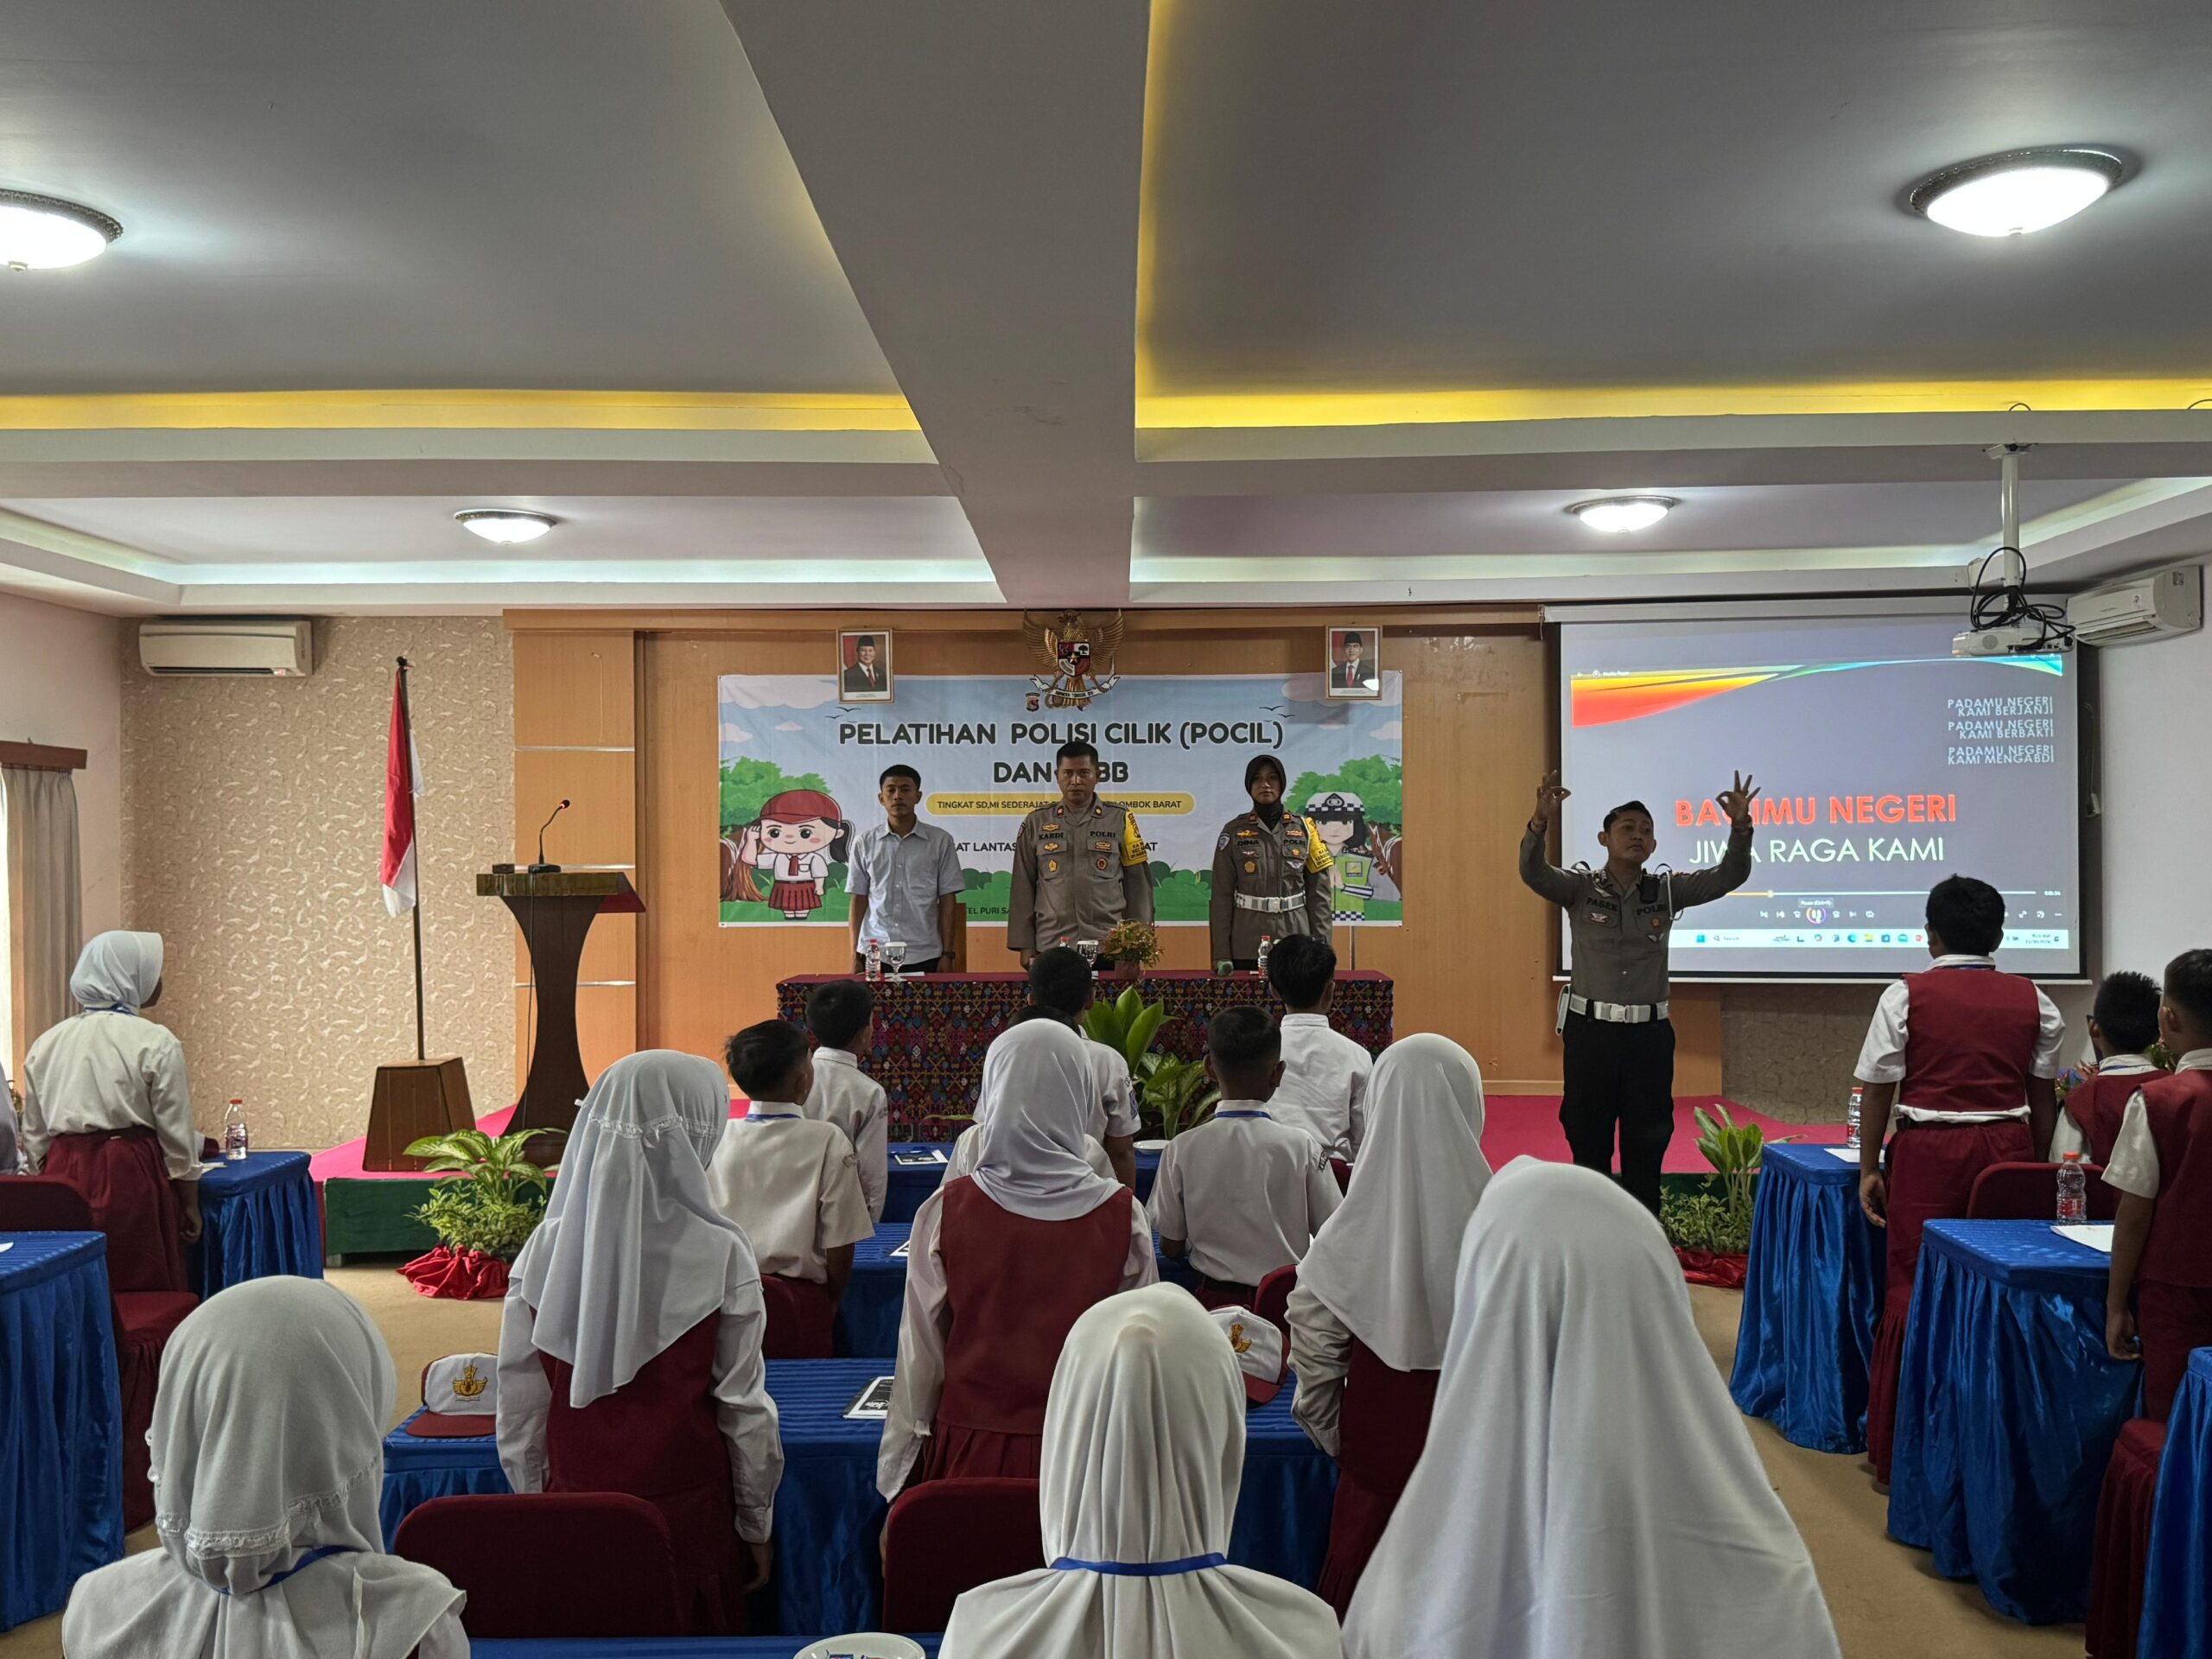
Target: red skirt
124 1177
1931 1177
2171 1320
1382 1428
794 895
2122 1548
952 1450
802 1318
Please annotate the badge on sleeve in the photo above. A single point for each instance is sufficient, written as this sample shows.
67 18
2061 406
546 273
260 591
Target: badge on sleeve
1051 867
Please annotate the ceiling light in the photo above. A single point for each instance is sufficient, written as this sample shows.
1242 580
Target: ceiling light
506 526
2020 191
1618 513
44 233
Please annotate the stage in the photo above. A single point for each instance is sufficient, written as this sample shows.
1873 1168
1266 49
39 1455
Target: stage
368 1212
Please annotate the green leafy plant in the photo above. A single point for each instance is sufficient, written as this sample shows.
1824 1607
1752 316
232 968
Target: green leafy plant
1172 1095
1699 1221
1719 1221
495 1201
1127 1024
1132 942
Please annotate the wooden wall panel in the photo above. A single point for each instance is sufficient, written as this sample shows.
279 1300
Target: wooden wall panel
583 689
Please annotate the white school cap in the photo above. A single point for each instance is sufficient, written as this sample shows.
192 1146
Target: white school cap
461 1397
1262 1355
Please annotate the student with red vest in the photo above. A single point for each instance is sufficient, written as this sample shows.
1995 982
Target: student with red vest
2161 1164
2122 1029
1003 1262
1967 1056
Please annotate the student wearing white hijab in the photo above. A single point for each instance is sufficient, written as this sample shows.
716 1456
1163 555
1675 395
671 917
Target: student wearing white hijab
106 1107
1373 1304
1564 1516
268 1445
630 1348
969 1146
1000 1265
1144 1452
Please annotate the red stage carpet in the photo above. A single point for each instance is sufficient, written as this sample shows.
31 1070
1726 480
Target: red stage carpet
1518 1126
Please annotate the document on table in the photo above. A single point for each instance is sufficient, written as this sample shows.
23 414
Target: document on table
1848 1154
2097 1234
917 1160
899 1254
873 1403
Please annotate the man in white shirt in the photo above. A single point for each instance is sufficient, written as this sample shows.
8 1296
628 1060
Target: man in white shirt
1242 1195
1061 986
904 878
1324 1073
842 1016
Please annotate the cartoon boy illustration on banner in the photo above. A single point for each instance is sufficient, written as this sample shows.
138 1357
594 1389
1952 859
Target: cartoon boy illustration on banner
797 836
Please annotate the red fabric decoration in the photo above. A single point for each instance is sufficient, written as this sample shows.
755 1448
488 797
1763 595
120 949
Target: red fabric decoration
1724 1272
461 1276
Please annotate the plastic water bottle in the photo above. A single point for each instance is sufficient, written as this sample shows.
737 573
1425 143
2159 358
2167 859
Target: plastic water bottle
1850 1119
234 1134
2073 1188
874 961
1260 957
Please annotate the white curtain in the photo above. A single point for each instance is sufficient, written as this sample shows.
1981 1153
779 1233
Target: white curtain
44 917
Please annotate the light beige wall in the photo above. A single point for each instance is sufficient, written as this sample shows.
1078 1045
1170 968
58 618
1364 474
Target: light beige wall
253 818
60 685
1788 1050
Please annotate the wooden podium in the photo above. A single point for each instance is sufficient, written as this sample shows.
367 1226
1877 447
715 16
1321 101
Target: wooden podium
554 910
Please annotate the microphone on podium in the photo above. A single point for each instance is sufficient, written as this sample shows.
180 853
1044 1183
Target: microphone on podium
542 868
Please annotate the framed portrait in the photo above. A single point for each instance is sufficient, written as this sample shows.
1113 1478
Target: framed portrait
1355 662
864 666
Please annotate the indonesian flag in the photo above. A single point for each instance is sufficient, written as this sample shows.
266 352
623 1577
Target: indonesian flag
403 782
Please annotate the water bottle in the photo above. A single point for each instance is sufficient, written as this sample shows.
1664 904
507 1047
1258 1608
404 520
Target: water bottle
1259 957
2073 1188
1851 1118
234 1136
874 961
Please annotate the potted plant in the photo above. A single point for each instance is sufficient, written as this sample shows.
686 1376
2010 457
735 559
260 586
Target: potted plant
482 1216
1134 946
1711 1230
1173 1094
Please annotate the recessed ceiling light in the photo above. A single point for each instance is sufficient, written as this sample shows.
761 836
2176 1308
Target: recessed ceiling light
45 233
1616 513
2020 191
504 524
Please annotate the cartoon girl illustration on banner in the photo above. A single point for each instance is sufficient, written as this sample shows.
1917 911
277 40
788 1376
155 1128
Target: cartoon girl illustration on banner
1341 821
797 836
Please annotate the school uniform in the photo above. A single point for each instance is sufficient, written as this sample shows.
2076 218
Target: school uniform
1001 1263
1111 1095
1961 1041
846 1095
1246 1194
1324 1087
107 1107
2163 1153
629 1345
789 1183
2088 1119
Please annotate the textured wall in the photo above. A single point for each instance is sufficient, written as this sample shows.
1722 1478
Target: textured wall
254 815
1788 1050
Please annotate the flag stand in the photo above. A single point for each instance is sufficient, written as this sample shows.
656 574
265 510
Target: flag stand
407 730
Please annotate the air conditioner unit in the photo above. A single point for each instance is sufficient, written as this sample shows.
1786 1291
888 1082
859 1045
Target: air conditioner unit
250 645
2148 607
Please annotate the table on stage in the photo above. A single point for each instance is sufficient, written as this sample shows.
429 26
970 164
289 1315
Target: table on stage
2176 1587
829 1515
2007 1408
61 1421
910 1184
1812 1295
930 1030
663 1647
260 1220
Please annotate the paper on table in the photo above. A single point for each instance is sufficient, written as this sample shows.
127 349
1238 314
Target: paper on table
917 1160
873 1403
2097 1234
9 1245
1848 1154
902 1250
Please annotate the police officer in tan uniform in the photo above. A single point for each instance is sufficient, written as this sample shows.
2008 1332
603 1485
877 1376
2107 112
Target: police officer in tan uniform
1270 873
1080 865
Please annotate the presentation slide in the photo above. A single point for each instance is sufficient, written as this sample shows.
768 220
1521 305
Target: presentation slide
1884 763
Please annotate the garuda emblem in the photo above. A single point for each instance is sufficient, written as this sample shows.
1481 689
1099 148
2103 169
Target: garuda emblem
1076 656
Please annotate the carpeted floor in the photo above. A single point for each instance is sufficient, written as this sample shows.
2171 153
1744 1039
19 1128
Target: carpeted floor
1887 1604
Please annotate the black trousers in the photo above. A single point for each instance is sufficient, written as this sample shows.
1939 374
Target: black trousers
1621 1075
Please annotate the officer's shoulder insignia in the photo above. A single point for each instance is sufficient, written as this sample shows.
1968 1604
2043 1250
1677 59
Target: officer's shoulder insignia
1219 845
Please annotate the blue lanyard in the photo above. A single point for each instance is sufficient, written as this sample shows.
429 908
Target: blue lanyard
1140 1569
1218 1115
306 1560
770 1117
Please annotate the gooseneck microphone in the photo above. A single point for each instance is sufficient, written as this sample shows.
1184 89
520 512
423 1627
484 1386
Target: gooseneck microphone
542 868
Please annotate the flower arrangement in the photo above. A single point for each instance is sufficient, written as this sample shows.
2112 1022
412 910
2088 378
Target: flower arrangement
1133 945
483 1218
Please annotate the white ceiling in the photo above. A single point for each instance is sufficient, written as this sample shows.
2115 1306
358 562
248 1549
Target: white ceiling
1184 302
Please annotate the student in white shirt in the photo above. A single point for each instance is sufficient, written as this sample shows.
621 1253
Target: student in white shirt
1061 986
787 1179
1324 1073
1241 1194
842 1016
2123 1028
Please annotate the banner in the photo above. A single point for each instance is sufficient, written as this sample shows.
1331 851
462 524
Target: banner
799 774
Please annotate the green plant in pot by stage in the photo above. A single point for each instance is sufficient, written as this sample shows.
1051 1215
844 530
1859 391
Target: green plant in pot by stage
1719 1221
498 1196
1172 1095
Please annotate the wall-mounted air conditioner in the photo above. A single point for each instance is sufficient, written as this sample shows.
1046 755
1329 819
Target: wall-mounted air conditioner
252 644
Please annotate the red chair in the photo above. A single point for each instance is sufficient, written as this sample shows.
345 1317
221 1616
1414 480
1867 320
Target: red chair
144 1319
550 1564
802 1320
1271 1301
2030 1192
2121 1549
1342 1171
944 1536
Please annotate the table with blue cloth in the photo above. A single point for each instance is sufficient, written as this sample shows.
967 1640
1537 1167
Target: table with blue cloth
2176 1583
868 1316
259 1219
910 1184
61 1421
2007 1408
829 1515
1812 1295
661 1647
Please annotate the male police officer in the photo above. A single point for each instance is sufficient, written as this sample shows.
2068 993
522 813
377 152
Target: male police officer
1620 1046
1270 873
1080 865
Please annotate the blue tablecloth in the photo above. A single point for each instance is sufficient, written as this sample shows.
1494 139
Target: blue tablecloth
61 1421
828 1513
663 1647
1812 1295
868 1318
2007 1409
261 1220
910 1184
2177 1585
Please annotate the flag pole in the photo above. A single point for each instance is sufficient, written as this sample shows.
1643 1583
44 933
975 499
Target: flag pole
407 724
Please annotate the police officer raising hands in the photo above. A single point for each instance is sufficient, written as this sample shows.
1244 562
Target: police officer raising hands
1080 864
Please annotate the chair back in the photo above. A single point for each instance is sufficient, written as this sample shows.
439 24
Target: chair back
550 1564
43 1203
1271 1299
802 1320
946 1536
2030 1192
